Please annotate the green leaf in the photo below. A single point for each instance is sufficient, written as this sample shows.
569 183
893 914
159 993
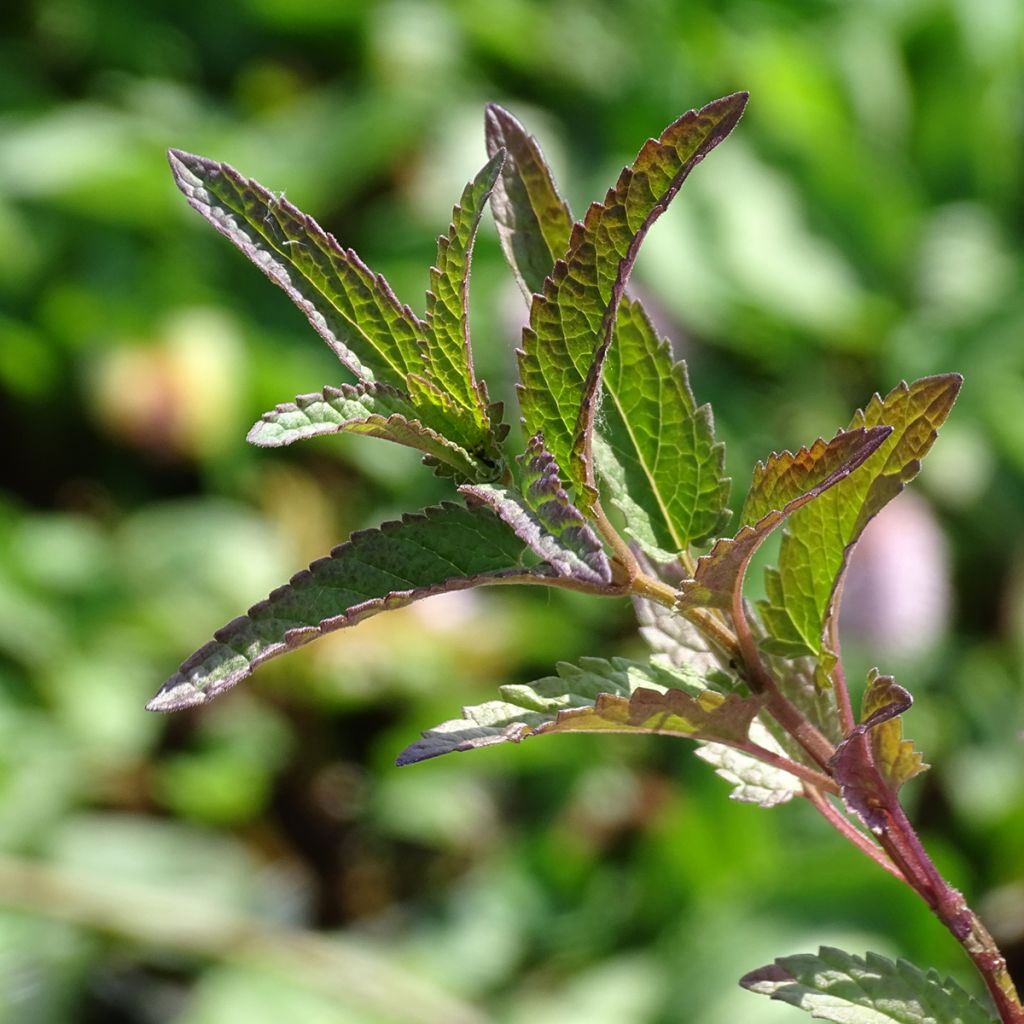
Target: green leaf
544 519
818 539
438 550
847 989
351 308
534 222
446 347
673 638
894 756
655 448
783 484
596 696
754 781
572 322
376 410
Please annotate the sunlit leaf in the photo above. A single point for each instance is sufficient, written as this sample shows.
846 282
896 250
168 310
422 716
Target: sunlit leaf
596 696
895 757
655 448
438 550
847 989
351 308
376 410
781 485
869 766
545 519
534 222
572 322
446 343
819 537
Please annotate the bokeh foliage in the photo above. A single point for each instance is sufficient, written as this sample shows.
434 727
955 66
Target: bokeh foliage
263 859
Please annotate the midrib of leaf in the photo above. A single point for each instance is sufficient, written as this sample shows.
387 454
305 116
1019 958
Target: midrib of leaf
649 472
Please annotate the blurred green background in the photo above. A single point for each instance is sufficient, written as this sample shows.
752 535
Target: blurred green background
262 860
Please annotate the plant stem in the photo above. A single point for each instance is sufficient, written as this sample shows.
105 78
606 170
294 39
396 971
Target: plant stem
839 686
761 681
848 830
901 842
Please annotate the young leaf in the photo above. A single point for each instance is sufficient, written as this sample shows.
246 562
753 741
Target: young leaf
351 308
866 782
847 989
545 520
373 409
781 485
895 757
449 355
754 781
597 696
572 322
656 449
438 550
818 539
534 222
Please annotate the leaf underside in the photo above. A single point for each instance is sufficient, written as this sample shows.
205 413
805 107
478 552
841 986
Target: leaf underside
572 321
753 781
441 549
799 608
784 483
846 989
375 410
595 696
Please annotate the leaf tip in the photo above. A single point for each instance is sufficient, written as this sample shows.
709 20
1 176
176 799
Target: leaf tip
176 695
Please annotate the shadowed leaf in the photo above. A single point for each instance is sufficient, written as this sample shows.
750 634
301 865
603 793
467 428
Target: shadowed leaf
846 989
572 322
655 448
376 410
534 222
781 485
544 518
438 550
596 696
818 539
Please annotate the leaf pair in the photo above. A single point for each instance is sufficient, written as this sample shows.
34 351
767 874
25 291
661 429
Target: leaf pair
415 383
655 448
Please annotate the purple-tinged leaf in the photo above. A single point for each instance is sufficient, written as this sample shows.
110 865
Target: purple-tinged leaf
376 410
572 322
438 550
895 757
351 308
655 448
846 989
544 518
865 783
781 485
596 696
534 222
816 545
447 348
